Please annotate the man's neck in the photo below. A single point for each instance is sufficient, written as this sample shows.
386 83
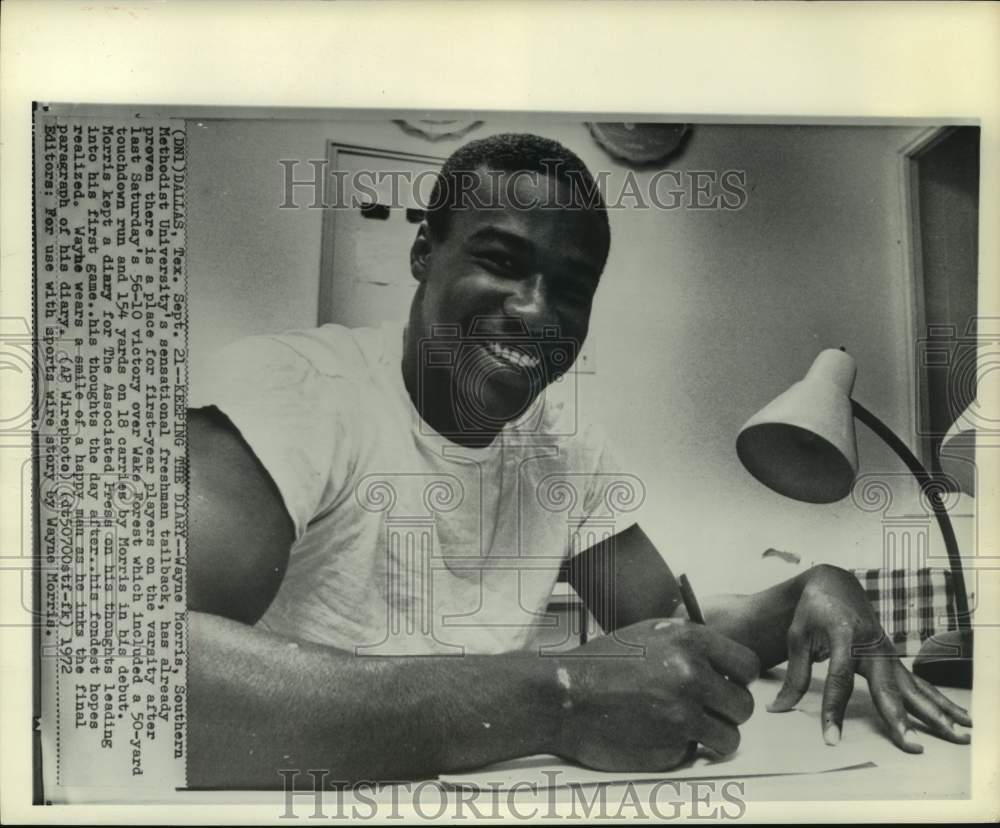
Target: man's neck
434 402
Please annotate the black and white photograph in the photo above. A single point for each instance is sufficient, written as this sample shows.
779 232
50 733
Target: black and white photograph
532 390
484 463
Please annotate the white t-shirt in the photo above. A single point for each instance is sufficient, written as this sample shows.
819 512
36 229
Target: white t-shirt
405 542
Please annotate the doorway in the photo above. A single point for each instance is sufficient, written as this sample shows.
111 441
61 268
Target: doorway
368 227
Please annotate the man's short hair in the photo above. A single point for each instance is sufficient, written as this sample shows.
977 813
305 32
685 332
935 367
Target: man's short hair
514 153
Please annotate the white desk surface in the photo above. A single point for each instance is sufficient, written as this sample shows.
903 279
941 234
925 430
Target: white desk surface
794 740
942 771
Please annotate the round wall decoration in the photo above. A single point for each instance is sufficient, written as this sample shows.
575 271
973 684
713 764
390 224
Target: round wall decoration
640 144
437 129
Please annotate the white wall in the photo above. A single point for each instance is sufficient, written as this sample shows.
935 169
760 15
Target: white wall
701 317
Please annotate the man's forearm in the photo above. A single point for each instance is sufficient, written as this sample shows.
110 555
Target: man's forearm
259 703
759 621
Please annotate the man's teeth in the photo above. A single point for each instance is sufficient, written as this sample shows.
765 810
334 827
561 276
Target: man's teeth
519 358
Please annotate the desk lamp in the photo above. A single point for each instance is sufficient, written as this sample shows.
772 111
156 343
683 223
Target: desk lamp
802 445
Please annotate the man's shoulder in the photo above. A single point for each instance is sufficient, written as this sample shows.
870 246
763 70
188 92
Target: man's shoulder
331 351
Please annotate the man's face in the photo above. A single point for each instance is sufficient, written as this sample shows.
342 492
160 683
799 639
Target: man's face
517 282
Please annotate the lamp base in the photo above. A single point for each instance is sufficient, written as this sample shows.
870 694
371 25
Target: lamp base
946 659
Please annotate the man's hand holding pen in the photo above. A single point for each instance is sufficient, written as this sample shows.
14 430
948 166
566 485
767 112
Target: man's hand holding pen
642 697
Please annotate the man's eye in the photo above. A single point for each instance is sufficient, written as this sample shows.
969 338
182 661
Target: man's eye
499 262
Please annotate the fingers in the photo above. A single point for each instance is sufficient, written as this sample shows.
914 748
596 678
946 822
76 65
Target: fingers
931 715
797 679
837 691
888 701
726 699
721 736
730 658
932 712
959 714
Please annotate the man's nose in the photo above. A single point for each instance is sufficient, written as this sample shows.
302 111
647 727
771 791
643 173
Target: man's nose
529 301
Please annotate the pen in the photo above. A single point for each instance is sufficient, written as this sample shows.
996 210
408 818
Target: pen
690 602
694 614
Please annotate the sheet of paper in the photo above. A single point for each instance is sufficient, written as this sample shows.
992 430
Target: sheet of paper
757 757
771 744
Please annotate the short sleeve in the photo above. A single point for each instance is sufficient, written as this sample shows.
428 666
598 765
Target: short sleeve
613 495
291 416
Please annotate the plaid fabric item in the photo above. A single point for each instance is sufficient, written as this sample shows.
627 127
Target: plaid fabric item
911 605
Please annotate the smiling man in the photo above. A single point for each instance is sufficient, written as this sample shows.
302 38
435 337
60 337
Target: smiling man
379 517
515 271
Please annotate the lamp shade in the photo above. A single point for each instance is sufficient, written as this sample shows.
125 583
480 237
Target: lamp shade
957 454
802 444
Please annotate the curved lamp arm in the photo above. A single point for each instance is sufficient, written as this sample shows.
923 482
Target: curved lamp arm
929 486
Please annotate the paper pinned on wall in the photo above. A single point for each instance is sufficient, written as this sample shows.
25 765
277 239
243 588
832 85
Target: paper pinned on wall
378 250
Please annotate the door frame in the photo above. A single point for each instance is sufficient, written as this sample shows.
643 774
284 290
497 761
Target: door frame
327 234
913 270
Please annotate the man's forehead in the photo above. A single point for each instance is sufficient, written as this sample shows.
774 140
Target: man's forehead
518 207
537 230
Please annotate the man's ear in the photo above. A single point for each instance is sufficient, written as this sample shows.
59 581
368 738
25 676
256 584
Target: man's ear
420 253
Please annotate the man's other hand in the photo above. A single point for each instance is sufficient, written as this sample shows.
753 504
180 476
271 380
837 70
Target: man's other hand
833 619
642 698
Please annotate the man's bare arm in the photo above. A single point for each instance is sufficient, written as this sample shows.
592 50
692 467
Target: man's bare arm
623 580
259 702
240 533
818 614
